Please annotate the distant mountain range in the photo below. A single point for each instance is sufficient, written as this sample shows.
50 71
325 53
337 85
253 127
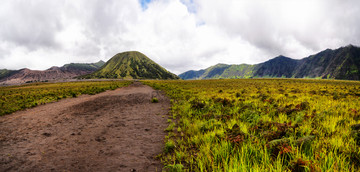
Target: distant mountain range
68 71
342 63
126 65
131 65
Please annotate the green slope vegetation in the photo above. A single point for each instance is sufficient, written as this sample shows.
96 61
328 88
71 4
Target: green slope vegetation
83 66
132 65
342 63
221 71
5 73
192 74
277 67
238 71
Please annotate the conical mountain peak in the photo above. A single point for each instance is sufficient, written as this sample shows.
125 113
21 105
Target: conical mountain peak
132 65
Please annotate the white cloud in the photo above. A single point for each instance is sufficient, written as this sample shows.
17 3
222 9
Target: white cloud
178 34
290 27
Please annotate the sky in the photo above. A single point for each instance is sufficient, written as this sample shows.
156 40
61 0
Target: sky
179 35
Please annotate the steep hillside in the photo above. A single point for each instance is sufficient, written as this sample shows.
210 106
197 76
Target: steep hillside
239 71
4 73
83 66
192 74
280 66
10 77
221 71
215 71
342 63
132 65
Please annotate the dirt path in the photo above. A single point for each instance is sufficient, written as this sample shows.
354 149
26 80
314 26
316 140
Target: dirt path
118 130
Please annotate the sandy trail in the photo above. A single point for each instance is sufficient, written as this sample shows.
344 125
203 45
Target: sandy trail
118 130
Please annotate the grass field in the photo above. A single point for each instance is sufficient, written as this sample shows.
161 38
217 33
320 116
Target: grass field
240 124
262 125
16 98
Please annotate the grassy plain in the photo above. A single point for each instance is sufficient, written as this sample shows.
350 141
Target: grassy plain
14 98
239 125
262 125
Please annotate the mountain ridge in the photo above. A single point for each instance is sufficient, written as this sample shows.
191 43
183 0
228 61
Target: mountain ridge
341 63
67 71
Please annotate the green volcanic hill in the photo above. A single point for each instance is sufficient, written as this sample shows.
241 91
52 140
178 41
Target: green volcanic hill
132 65
342 63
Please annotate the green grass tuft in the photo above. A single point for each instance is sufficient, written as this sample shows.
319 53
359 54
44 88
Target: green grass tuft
169 146
154 100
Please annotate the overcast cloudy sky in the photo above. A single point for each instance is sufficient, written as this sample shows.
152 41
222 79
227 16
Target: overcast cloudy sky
178 34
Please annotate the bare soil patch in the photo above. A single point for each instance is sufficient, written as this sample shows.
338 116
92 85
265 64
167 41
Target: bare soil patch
118 130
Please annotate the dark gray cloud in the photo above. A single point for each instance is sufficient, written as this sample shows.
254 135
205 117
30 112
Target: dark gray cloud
178 34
